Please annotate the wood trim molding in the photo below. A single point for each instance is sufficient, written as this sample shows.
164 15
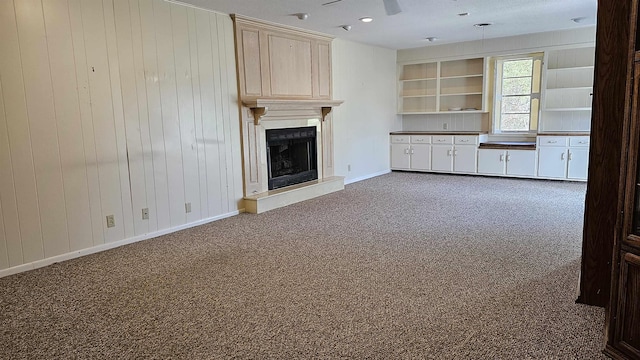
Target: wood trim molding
260 107
266 25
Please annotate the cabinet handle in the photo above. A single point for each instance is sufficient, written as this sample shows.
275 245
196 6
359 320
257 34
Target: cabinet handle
406 151
570 155
464 140
411 151
583 142
501 157
455 152
562 156
440 140
508 157
552 141
448 152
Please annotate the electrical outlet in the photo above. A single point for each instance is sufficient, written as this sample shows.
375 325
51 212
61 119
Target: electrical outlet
445 126
187 207
145 214
111 221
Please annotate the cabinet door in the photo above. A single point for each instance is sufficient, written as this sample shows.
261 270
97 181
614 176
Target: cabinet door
465 159
521 162
552 162
491 161
578 164
442 158
420 157
628 331
400 158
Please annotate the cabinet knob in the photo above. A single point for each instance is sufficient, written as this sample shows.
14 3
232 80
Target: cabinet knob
501 157
570 155
562 156
448 152
508 157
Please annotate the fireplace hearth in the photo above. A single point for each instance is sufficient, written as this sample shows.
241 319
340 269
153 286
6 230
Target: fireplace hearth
291 156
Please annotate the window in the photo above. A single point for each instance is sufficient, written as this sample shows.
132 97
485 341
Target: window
517 94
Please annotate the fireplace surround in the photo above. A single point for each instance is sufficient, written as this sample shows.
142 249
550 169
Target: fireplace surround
284 81
260 116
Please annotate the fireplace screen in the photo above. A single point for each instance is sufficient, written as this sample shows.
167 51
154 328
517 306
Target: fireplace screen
291 156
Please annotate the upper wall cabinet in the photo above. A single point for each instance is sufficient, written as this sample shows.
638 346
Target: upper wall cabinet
281 62
456 85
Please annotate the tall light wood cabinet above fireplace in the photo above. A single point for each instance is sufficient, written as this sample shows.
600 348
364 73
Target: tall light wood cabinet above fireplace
280 62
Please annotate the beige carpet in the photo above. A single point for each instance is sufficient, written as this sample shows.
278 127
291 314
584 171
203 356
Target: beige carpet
409 266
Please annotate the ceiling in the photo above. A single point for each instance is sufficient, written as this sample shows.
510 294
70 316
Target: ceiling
418 20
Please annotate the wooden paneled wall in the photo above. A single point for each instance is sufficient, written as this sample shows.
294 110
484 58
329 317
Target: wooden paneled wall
108 107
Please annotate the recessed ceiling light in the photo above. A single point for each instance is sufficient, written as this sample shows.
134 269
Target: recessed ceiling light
366 19
303 16
579 20
464 14
480 25
431 38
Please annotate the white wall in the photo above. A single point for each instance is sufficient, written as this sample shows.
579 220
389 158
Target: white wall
522 44
512 45
365 78
106 108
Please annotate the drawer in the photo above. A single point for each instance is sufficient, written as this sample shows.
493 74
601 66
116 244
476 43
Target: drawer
579 141
420 139
400 139
442 139
553 140
466 140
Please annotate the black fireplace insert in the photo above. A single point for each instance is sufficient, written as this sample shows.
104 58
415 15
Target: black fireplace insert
291 156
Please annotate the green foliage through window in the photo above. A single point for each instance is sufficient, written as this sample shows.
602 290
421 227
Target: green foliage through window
517 100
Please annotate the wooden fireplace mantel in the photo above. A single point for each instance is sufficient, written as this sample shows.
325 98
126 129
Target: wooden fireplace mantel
260 107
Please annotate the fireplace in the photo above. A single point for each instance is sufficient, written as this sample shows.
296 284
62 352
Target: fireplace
287 145
291 156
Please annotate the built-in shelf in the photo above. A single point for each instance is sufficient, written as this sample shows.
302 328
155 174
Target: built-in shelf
443 112
460 94
568 81
569 109
417 96
420 79
460 76
435 87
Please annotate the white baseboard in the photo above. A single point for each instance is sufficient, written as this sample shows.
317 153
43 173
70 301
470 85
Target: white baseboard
94 249
369 176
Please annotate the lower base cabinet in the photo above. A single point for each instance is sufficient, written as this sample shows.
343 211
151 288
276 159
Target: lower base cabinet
563 157
507 162
578 163
552 162
459 159
411 153
556 157
442 158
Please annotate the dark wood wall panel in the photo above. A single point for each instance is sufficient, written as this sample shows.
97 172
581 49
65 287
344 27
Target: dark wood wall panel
603 205
630 311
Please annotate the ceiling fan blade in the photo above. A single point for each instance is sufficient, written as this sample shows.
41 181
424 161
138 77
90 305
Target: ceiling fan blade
392 7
